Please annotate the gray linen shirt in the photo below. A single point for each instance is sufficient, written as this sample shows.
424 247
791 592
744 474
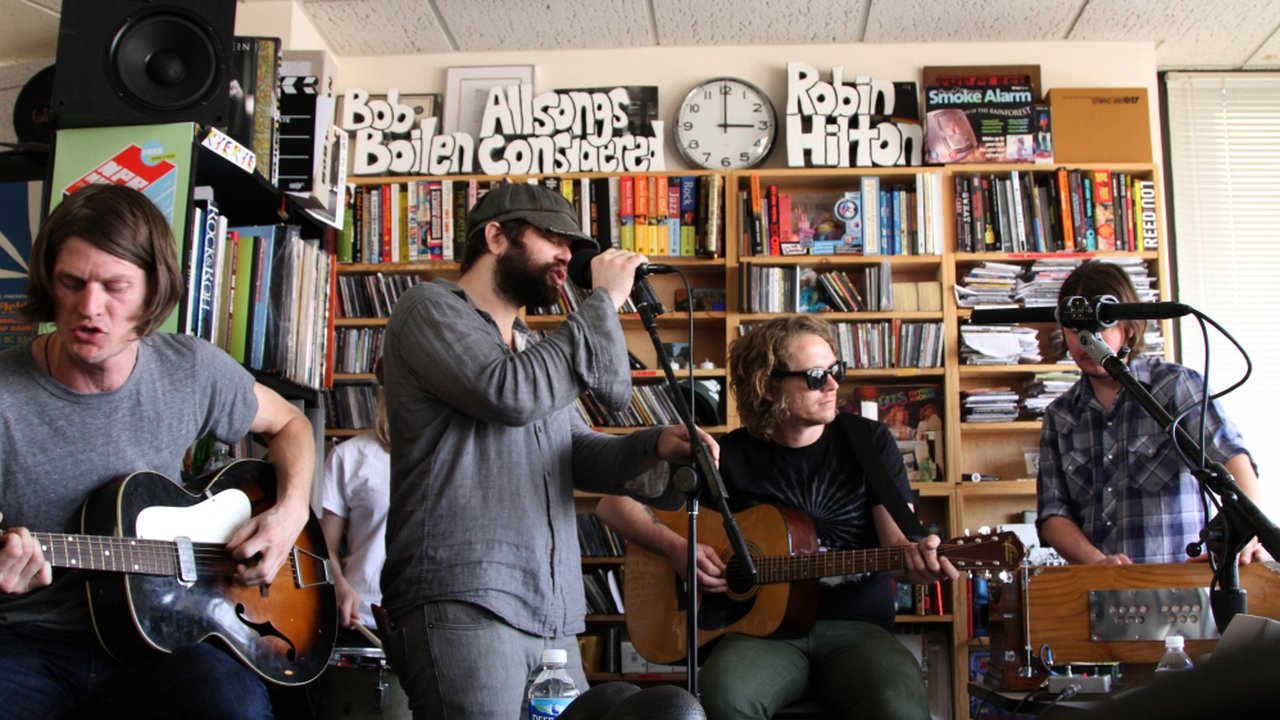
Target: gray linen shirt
486 450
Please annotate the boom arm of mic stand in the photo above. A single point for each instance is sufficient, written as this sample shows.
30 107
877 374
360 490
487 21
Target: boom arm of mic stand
1243 518
704 464
704 467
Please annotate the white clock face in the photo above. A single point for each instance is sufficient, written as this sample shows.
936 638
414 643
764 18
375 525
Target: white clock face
725 124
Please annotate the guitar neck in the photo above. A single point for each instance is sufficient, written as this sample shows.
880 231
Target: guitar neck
783 568
112 554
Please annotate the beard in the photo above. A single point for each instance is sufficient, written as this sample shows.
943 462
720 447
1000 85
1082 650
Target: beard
517 280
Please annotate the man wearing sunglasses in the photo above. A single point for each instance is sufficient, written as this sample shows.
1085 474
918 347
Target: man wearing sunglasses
792 453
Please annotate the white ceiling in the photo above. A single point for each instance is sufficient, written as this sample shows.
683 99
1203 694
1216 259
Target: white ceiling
1218 34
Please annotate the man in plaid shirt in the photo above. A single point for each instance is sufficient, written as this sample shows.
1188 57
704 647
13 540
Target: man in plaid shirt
1113 489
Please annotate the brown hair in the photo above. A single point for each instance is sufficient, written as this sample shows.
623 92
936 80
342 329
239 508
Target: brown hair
477 245
119 221
1094 278
755 356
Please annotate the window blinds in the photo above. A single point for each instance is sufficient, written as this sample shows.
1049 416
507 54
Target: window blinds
1224 166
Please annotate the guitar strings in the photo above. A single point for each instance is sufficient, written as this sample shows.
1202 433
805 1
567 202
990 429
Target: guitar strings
782 567
152 554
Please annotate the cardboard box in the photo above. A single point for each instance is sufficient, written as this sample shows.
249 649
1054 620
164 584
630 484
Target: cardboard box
1099 125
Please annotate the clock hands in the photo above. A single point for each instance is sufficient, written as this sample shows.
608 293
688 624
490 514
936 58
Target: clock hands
724 114
727 125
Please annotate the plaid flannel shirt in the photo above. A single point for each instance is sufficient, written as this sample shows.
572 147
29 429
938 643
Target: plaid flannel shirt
1118 475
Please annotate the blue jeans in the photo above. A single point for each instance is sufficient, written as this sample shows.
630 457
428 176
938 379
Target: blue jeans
458 660
857 669
53 674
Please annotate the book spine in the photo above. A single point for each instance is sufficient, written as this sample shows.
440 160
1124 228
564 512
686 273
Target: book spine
870 187
657 216
1147 219
759 244
627 212
641 214
1104 224
208 270
241 293
674 216
775 231
688 215
444 197
1065 214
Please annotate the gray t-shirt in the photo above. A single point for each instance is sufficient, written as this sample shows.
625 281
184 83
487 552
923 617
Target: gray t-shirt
56 445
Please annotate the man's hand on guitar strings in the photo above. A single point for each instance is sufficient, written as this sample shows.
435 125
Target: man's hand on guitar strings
924 565
710 565
262 544
22 565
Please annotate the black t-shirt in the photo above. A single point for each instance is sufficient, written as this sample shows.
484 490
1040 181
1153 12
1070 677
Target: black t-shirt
826 482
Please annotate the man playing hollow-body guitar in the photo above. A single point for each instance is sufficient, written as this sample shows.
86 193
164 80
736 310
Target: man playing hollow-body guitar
99 398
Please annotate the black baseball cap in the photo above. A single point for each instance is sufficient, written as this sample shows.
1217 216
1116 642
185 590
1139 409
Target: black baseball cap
539 206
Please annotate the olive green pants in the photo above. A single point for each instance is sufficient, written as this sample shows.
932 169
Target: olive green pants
856 669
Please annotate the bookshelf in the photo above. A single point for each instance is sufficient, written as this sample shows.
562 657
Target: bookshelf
937 261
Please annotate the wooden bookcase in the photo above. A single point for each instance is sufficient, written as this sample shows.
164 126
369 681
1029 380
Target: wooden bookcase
952 503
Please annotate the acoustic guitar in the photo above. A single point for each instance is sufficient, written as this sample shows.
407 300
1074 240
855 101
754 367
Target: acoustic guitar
159 577
783 598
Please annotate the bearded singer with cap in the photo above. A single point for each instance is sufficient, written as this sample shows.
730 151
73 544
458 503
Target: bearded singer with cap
483 569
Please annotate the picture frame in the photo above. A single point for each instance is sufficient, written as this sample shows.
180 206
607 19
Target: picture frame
467 89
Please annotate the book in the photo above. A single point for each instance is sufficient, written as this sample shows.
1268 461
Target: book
626 212
19 223
688 215
255 112
913 413
979 115
241 297
1147 219
870 188
1104 214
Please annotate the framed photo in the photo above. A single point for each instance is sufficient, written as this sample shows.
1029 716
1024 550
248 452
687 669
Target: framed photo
467 89
424 106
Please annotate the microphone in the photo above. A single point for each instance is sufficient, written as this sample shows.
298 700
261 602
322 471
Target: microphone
1079 313
580 267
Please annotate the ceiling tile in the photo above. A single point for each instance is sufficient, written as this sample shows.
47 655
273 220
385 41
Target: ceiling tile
968 20
378 27
758 22
497 25
1267 56
1187 33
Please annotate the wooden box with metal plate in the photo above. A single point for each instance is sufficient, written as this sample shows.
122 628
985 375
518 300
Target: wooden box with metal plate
1102 614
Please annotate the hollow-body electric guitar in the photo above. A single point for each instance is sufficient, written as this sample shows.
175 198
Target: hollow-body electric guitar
159 577
784 594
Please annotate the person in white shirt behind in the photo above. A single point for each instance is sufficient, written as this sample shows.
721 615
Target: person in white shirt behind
355 497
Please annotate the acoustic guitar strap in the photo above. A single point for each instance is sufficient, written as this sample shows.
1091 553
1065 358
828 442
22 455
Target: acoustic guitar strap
878 476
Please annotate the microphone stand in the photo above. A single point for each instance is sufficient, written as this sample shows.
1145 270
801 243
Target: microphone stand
687 480
1239 517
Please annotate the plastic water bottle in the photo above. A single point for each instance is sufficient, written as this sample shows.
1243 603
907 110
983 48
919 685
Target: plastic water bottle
1175 656
552 688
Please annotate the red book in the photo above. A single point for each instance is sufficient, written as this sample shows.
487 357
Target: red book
775 234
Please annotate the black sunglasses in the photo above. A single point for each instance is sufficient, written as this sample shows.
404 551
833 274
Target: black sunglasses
814 378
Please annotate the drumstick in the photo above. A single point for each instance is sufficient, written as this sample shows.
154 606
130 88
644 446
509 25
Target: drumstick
368 634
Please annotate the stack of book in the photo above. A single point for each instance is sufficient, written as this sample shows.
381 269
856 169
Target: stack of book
988 284
988 405
1043 388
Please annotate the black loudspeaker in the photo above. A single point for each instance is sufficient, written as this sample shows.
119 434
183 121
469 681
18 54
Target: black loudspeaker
128 62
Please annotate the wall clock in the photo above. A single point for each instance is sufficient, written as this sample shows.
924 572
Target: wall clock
725 124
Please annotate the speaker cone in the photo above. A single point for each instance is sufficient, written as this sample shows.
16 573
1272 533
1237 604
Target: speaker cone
165 62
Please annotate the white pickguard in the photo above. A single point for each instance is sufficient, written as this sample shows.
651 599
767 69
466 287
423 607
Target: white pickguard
210 521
